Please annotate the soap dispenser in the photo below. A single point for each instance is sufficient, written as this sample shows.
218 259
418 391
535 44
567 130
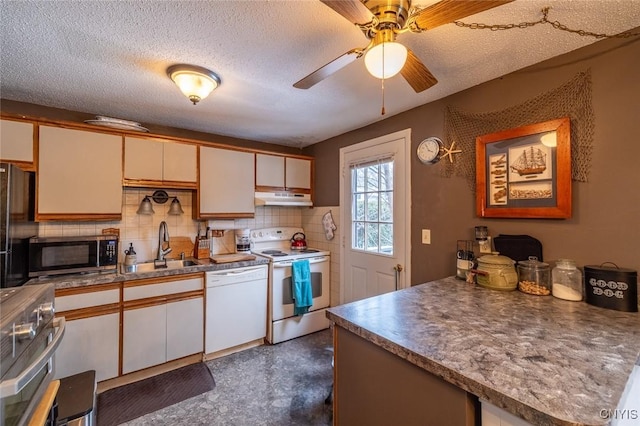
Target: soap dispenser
130 256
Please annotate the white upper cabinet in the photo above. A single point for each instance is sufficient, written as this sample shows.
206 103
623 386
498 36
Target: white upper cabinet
270 170
297 173
16 141
227 179
79 175
159 161
282 172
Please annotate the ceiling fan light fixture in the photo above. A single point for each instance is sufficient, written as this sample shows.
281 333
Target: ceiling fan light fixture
196 83
387 57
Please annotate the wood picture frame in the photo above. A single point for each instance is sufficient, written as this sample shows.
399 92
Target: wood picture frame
525 172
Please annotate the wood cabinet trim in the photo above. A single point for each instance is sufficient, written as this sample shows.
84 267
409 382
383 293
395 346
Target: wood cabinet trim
160 280
159 184
78 216
161 300
93 311
71 291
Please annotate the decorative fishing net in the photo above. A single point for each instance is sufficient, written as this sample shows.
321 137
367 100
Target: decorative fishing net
572 99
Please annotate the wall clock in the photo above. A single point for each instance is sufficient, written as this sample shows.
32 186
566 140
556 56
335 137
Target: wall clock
430 150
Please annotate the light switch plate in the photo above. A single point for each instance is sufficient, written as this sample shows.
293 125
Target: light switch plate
426 236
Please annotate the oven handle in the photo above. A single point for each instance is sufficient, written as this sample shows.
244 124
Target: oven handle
15 385
287 264
234 273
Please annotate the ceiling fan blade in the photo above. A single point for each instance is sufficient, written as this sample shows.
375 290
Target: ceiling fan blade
447 11
328 69
417 74
353 10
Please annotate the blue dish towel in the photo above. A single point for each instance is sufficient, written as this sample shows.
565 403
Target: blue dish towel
301 287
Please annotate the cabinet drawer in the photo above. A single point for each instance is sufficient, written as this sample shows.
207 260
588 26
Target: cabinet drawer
165 288
86 300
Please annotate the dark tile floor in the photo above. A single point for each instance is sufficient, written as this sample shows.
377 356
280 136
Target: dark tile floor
283 384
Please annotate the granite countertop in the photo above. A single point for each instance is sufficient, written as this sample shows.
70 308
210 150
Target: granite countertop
547 360
90 279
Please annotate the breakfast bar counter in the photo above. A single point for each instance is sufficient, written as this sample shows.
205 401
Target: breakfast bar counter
545 360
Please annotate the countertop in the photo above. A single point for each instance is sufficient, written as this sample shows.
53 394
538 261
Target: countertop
90 279
547 360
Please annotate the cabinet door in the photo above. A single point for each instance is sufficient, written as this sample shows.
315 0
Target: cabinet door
90 344
79 174
180 162
494 416
185 328
298 173
269 170
227 180
16 141
144 338
143 159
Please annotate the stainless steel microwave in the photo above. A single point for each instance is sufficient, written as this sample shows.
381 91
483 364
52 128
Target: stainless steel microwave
67 255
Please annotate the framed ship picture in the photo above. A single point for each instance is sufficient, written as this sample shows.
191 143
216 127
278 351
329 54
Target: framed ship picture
525 172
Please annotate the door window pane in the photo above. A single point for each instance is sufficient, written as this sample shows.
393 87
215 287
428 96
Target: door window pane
372 209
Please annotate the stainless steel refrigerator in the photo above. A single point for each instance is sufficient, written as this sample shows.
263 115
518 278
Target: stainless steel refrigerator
17 202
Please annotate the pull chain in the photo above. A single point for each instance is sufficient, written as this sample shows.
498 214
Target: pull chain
382 80
382 112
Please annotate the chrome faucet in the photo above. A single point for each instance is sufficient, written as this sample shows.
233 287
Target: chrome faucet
163 237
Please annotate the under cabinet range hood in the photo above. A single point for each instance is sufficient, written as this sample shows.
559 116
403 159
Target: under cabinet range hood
282 199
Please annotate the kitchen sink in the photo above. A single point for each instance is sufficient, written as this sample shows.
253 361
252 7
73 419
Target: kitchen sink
157 266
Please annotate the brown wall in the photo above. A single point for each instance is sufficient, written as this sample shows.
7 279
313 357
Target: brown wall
606 210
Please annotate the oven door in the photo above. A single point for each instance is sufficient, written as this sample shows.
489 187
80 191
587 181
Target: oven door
282 286
24 384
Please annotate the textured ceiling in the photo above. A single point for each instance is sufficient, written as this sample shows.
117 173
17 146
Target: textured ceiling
110 58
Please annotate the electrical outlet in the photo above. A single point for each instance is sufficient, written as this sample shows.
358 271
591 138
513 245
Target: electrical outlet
426 236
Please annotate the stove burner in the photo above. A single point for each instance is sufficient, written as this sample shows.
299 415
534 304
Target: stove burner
274 253
308 251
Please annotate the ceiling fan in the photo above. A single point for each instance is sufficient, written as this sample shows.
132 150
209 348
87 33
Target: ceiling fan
381 21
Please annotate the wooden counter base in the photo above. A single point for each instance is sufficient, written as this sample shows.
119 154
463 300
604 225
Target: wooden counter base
375 387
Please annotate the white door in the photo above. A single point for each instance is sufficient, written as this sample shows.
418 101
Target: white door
375 199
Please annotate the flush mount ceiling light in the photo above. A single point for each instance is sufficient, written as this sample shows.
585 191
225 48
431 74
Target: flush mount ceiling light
387 57
195 82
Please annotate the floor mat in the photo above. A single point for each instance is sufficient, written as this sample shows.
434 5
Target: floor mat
128 402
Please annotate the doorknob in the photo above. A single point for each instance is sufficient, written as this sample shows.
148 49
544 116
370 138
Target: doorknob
398 268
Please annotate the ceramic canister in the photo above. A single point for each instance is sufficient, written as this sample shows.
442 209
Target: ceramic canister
496 272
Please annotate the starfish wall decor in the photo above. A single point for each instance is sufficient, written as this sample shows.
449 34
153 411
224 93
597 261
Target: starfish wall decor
448 152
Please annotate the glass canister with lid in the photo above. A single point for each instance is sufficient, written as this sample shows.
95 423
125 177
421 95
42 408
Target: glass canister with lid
534 277
566 280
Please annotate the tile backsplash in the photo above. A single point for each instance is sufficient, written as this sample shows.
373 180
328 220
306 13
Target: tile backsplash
142 230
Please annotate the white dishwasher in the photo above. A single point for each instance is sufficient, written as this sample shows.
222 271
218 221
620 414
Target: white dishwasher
236 307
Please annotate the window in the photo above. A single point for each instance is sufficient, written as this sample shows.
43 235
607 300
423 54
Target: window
372 206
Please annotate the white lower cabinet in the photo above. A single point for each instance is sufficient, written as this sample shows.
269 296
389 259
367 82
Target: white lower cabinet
144 338
90 344
92 337
185 328
157 331
494 416
157 334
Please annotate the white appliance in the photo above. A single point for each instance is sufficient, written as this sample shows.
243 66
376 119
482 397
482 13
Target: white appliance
236 307
286 199
275 245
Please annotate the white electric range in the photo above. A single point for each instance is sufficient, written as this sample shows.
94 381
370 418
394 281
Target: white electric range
275 245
